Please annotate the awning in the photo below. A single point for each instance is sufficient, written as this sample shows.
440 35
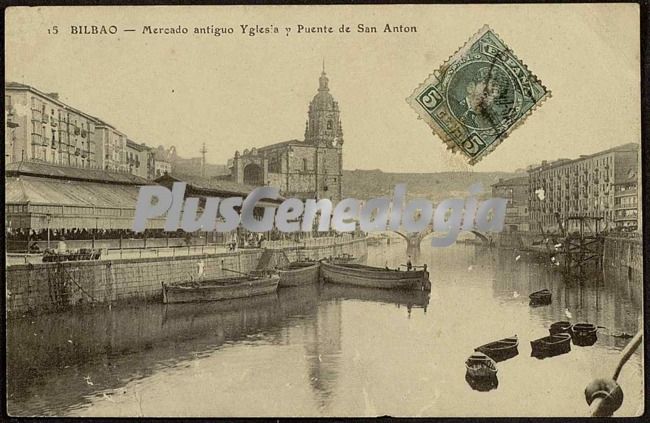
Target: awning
38 203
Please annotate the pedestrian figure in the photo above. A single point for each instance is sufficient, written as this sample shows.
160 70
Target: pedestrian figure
409 265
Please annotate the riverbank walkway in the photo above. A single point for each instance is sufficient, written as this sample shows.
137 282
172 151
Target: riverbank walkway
13 259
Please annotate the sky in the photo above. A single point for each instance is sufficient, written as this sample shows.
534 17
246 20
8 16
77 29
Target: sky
236 91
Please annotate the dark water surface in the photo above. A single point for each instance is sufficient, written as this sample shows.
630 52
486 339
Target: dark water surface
332 350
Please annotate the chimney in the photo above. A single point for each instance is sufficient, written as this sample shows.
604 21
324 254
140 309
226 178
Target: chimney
544 162
53 95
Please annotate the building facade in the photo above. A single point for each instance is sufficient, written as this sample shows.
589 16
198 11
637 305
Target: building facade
163 161
111 146
309 168
515 191
140 160
47 130
601 185
41 128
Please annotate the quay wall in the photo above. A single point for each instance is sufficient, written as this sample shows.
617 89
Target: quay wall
623 258
44 287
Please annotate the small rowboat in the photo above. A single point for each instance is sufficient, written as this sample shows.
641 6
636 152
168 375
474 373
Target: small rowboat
584 334
479 365
500 350
482 384
299 273
542 297
550 346
560 327
375 277
219 289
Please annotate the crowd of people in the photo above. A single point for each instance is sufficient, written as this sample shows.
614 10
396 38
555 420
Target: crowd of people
240 238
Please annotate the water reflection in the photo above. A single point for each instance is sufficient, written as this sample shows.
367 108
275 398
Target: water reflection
482 384
408 299
332 350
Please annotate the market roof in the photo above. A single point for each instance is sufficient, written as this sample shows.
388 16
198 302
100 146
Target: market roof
45 202
211 186
49 191
48 170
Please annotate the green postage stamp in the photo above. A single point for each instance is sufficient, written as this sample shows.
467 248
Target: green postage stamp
478 96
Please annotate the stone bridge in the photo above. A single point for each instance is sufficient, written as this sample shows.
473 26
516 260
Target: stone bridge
414 239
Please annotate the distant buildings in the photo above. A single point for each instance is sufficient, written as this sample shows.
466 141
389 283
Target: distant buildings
310 168
39 127
162 161
140 160
515 191
603 185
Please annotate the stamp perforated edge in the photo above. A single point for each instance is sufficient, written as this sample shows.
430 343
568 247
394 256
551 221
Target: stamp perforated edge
437 130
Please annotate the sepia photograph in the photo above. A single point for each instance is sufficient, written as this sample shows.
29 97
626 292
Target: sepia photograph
324 211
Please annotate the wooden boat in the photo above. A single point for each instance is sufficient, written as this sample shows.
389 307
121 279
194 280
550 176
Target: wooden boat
560 327
299 273
375 277
479 365
219 289
542 297
584 334
551 345
482 384
500 350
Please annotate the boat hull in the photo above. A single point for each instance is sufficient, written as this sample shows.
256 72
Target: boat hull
501 350
543 297
584 334
216 291
551 346
479 365
371 277
560 327
299 276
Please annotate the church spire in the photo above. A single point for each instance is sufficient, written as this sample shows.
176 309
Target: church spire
323 80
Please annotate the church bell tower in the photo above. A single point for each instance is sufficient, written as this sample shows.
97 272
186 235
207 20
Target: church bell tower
323 121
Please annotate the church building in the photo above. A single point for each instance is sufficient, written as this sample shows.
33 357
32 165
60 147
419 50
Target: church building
309 168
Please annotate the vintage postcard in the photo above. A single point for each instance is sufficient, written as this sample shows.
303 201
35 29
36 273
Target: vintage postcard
324 211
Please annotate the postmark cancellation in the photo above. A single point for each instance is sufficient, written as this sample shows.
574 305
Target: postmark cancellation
480 95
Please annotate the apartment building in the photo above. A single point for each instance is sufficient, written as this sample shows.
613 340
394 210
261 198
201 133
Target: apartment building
600 185
46 129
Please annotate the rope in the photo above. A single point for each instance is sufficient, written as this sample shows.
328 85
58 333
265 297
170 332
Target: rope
75 282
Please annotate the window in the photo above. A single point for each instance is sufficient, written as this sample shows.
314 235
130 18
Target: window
329 124
304 164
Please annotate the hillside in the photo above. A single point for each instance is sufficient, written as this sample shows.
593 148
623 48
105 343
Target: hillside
365 184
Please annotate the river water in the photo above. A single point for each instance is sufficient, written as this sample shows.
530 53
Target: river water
332 350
